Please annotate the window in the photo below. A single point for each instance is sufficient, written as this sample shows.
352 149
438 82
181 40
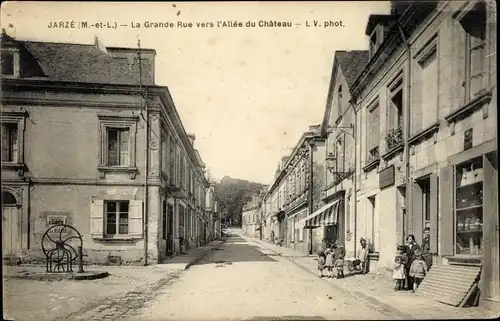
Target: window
339 102
469 208
118 147
376 39
116 217
372 210
425 186
164 153
164 221
373 132
172 161
428 63
8 63
10 143
118 144
473 27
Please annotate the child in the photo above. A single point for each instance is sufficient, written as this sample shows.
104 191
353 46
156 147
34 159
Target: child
339 265
329 262
399 270
321 263
418 270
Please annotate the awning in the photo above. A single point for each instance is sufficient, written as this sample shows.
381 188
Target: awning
327 215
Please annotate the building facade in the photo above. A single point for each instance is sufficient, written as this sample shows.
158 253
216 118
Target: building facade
339 125
426 109
251 216
292 196
88 142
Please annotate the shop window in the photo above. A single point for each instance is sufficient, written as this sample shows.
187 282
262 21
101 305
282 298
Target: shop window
469 208
116 218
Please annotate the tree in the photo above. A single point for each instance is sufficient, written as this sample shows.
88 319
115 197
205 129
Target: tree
232 194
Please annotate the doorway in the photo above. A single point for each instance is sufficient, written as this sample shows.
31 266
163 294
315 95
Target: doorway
10 226
169 217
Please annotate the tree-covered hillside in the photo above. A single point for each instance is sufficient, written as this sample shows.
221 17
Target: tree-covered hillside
232 194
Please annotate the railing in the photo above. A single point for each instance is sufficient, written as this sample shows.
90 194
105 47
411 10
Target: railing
394 137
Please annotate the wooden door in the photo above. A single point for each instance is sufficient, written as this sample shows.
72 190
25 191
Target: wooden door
11 235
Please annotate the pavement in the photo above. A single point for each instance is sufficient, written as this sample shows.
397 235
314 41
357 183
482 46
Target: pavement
120 294
378 290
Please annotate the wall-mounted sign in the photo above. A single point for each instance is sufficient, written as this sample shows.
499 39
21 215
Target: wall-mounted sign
468 134
386 177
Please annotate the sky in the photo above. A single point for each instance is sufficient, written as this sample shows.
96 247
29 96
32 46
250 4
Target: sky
247 94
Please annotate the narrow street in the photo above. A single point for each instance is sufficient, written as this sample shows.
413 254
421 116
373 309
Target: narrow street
244 281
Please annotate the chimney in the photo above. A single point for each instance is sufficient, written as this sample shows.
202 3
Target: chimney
131 57
192 138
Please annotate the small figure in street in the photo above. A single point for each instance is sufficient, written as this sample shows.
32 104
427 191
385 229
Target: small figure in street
411 248
363 256
272 237
339 254
181 239
418 270
399 274
329 262
426 247
321 263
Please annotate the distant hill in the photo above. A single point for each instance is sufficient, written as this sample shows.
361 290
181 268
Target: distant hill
232 194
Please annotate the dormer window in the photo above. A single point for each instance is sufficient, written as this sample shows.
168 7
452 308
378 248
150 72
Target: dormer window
376 39
10 63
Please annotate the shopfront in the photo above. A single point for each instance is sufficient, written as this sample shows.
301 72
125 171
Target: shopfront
468 229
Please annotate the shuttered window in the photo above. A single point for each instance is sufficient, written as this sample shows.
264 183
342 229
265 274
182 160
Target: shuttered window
373 132
116 218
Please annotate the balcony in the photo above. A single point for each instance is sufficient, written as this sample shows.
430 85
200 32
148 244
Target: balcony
394 143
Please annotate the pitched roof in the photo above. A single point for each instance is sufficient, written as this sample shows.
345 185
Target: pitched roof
84 62
352 63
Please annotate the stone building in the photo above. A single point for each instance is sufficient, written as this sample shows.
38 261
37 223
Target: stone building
426 156
90 142
250 217
296 192
339 128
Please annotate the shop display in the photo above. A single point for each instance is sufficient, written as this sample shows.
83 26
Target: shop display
469 210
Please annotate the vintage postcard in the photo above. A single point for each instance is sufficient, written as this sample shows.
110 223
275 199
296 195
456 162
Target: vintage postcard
253 160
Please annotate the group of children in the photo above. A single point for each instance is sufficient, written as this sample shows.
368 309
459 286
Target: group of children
332 259
413 271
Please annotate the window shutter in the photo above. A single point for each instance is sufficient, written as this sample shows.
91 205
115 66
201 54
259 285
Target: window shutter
430 90
135 218
97 218
417 215
124 144
15 144
461 50
434 185
446 206
476 66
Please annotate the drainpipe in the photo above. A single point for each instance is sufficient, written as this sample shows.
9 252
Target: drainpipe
409 188
355 185
145 207
310 194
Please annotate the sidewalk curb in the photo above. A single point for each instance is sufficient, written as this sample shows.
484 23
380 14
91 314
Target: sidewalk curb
202 255
370 300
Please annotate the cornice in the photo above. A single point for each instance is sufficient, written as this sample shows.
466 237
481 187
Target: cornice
393 151
418 137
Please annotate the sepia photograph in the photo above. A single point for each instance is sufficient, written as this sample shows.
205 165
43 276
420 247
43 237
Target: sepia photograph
249 160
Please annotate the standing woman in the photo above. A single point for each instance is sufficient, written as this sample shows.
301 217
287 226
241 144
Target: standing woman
411 248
